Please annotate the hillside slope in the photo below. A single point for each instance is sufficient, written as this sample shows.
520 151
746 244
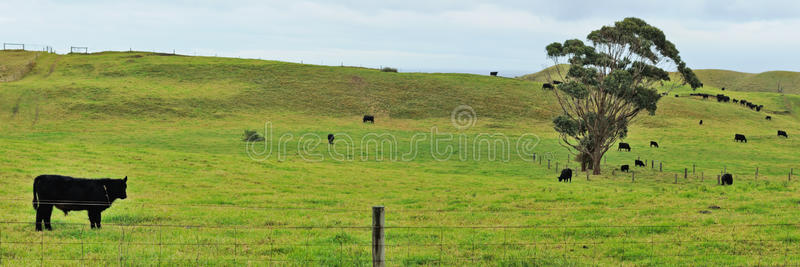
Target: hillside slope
147 84
731 80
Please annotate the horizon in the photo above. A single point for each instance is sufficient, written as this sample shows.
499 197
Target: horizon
471 37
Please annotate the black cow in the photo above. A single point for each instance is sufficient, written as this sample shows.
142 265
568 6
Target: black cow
740 138
705 96
735 100
676 95
557 82
330 139
68 194
493 73
566 175
547 86
701 122
625 146
639 163
723 88
726 179
782 133
369 118
625 168
759 107
769 118
653 144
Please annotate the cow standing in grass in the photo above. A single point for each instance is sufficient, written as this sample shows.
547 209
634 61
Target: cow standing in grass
68 194
369 118
566 175
624 146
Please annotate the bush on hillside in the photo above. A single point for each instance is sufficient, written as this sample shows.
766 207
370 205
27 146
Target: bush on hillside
388 69
252 136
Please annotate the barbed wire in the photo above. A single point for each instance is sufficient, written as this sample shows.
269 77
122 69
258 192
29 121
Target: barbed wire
24 201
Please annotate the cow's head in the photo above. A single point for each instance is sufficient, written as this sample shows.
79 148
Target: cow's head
118 188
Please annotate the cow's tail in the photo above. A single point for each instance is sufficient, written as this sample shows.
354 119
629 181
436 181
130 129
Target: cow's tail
35 194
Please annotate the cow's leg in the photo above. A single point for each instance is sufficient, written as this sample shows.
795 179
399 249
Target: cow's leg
43 216
47 213
39 218
94 218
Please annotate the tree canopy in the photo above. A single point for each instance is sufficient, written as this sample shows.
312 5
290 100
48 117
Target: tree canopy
609 82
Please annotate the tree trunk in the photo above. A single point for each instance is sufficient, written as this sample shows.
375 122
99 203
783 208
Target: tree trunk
596 163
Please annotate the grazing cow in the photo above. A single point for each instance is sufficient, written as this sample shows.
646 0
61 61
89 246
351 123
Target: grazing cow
566 175
769 118
625 168
701 122
705 96
664 94
68 194
330 139
547 86
735 100
726 179
557 82
493 73
740 138
782 133
624 146
639 163
759 107
653 144
369 118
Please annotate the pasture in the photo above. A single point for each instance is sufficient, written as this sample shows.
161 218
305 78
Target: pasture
174 124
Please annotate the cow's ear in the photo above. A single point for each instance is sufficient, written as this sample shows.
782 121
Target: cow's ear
126 179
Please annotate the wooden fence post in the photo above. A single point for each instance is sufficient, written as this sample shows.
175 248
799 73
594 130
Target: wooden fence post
685 173
660 165
652 164
693 166
378 256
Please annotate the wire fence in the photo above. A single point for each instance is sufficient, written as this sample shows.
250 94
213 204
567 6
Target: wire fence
131 244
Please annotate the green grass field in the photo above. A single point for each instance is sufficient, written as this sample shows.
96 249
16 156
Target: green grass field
174 124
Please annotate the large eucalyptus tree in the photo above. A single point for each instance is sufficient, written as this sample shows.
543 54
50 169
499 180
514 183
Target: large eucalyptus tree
609 82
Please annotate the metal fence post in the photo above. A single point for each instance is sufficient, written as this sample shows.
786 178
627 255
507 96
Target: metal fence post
378 256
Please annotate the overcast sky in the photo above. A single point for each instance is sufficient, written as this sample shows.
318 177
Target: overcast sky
430 35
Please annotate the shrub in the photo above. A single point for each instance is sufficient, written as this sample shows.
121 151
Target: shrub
388 69
252 136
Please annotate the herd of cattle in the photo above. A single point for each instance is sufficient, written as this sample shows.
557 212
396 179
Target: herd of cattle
96 195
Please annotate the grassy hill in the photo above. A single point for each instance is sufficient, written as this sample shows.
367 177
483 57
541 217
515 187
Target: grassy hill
731 80
199 195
